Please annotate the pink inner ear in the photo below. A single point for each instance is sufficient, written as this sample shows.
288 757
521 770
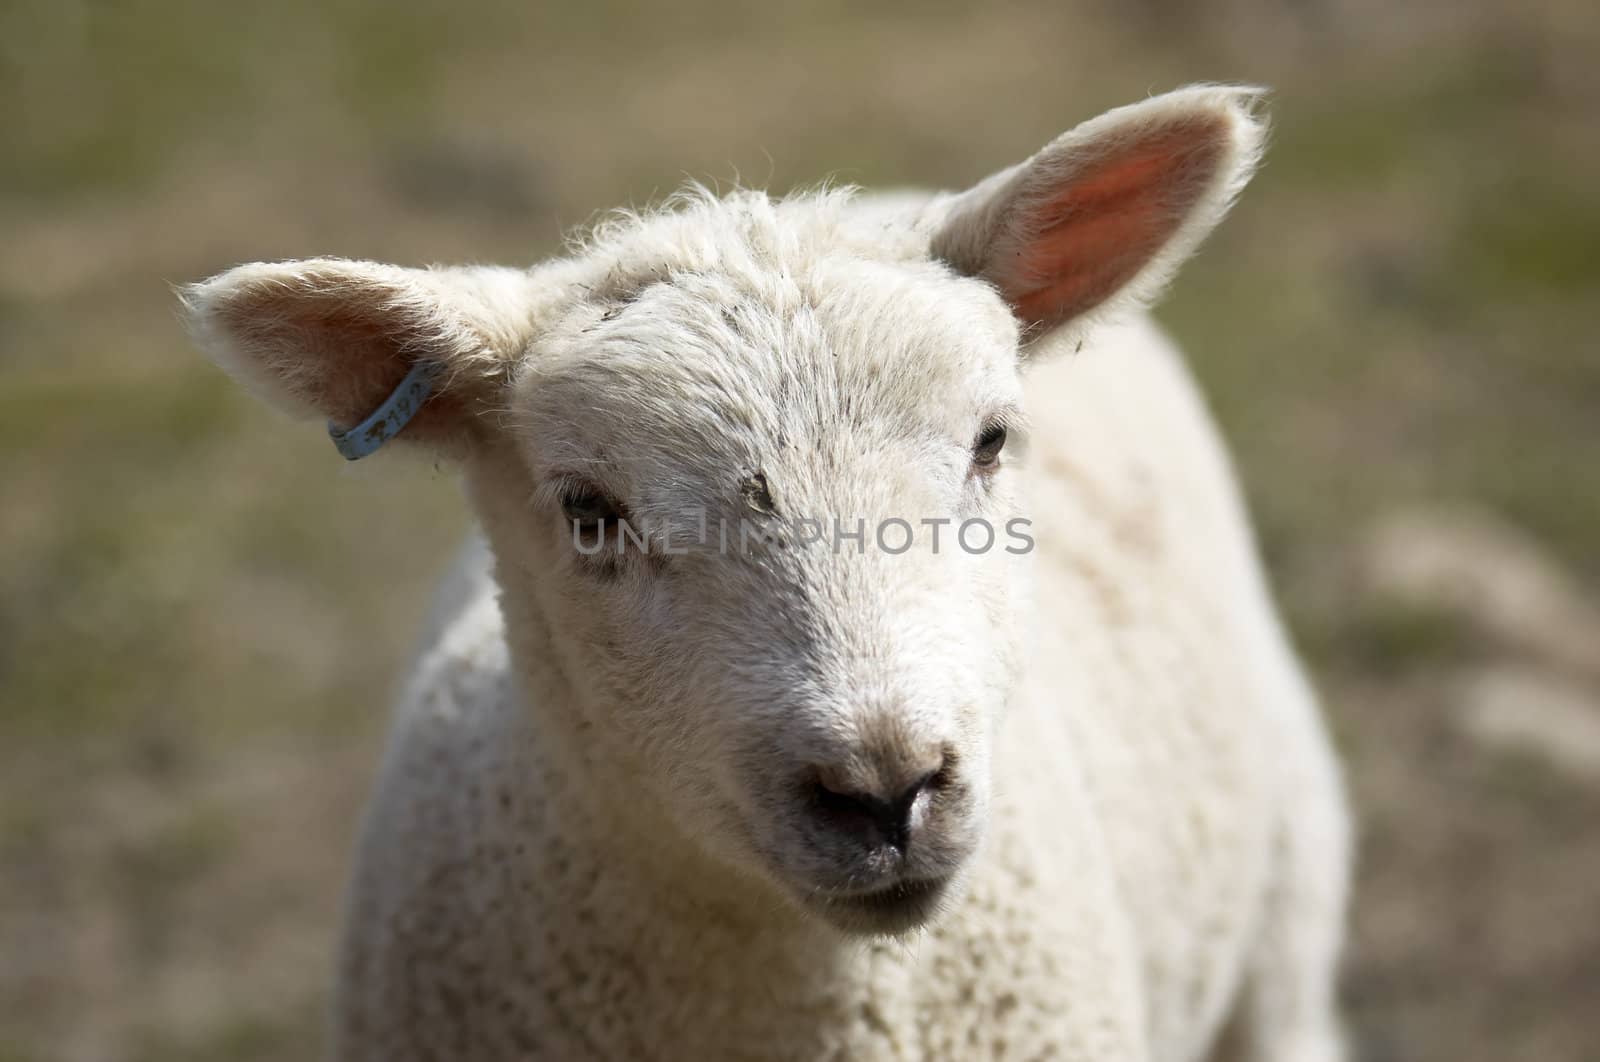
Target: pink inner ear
336 346
1088 236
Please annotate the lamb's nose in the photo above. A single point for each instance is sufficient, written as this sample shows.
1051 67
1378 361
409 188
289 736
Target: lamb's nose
882 815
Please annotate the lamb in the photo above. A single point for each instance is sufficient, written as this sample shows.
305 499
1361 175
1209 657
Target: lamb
718 749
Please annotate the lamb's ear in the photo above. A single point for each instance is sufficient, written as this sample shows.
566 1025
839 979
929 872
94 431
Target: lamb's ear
1097 221
334 338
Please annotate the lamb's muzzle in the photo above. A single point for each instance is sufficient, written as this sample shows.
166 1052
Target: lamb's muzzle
900 855
871 836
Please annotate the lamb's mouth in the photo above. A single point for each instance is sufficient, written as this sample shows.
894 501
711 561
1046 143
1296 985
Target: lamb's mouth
897 908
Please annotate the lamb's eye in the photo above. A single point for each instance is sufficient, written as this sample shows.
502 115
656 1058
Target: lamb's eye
986 450
588 506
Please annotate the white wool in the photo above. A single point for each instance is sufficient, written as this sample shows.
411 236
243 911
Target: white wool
593 836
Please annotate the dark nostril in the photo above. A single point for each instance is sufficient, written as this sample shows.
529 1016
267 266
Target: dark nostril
873 818
842 805
862 817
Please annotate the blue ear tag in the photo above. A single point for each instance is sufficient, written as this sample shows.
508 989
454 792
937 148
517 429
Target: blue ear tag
387 420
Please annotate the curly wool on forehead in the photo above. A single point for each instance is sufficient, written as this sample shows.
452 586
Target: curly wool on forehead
742 327
744 234
777 322
818 281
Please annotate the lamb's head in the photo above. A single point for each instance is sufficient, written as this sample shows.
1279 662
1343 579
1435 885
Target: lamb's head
749 471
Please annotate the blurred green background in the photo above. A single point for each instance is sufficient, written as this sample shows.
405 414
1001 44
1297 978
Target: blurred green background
202 609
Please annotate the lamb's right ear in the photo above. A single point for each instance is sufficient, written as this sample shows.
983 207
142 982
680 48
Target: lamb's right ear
1099 219
334 338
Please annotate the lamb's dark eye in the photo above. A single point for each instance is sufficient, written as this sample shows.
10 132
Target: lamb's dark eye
986 450
587 505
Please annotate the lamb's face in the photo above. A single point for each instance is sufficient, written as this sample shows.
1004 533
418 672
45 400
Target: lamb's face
750 385
816 705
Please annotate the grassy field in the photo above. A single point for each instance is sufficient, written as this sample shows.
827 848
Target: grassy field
202 610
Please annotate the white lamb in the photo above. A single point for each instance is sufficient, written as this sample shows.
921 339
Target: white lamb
737 783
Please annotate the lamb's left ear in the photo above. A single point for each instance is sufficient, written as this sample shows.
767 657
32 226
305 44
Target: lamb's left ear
1097 221
336 338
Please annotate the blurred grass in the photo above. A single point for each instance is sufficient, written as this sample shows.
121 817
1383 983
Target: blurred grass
202 612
